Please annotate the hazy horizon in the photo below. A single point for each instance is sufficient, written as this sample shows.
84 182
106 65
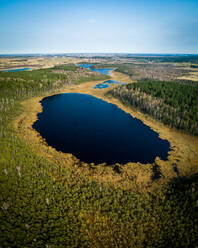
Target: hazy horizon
98 53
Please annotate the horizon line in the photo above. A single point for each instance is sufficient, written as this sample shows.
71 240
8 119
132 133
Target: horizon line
65 53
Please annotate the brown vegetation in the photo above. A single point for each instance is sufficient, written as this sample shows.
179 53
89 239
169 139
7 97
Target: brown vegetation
134 176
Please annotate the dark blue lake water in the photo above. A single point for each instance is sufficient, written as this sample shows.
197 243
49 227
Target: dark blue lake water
96 131
102 71
21 69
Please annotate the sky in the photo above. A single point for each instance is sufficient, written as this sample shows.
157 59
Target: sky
102 26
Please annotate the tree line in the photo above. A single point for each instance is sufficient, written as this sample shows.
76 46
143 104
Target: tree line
173 103
45 204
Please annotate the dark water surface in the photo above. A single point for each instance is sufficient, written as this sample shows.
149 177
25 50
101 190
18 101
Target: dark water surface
96 131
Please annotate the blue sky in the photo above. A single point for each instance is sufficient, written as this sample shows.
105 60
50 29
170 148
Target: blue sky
131 26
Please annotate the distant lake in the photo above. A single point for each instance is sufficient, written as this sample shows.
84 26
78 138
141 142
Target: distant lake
21 69
96 131
102 71
104 84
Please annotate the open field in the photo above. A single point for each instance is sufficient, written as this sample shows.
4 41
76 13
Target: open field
33 62
193 75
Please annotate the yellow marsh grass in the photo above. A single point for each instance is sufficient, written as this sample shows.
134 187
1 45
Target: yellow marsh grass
193 74
34 63
133 176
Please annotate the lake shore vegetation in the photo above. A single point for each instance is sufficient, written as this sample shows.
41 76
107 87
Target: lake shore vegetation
51 199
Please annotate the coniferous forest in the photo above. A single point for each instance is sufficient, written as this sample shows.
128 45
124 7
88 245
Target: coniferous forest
45 205
173 103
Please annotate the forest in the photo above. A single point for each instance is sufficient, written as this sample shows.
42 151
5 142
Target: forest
173 103
157 58
45 205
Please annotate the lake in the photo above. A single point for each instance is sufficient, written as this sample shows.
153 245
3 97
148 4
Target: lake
105 71
96 131
20 69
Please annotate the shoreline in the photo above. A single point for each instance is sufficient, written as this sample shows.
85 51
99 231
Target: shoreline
184 147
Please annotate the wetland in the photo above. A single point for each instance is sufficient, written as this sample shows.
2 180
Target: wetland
96 131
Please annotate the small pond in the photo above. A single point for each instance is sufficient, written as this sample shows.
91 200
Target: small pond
107 84
96 131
